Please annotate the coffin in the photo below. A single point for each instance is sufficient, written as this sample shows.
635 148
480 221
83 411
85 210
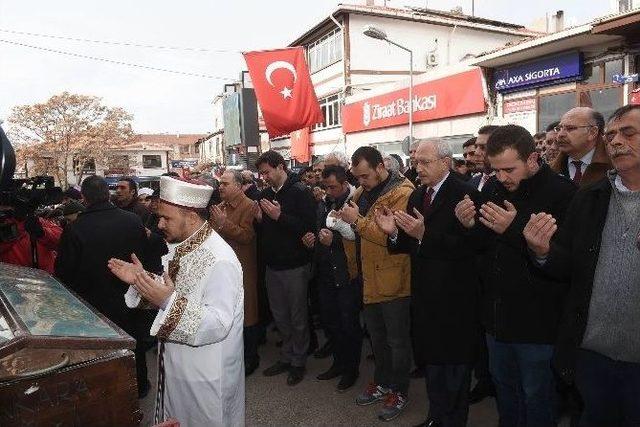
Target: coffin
61 362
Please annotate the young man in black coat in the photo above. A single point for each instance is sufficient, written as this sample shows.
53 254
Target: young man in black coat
521 306
100 233
598 249
443 289
287 211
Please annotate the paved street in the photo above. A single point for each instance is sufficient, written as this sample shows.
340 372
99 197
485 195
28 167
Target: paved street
270 402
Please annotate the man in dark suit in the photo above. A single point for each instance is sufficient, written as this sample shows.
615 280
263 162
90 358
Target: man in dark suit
100 233
480 157
444 295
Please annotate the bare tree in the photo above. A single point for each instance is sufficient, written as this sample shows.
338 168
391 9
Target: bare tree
69 132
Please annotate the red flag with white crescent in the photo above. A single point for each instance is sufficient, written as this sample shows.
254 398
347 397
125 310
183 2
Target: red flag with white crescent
284 90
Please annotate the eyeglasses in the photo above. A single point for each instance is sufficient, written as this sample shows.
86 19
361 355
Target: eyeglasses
468 153
627 132
570 128
427 162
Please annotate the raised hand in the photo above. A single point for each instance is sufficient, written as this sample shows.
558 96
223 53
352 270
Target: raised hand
349 213
538 232
126 271
466 212
413 226
325 236
272 209
218 216
154 290
309 240
385 220
497 218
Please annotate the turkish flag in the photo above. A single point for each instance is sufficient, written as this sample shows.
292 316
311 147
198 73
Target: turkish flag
284 90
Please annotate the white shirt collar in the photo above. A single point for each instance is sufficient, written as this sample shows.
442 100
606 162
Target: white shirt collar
586 159
436 187
620 185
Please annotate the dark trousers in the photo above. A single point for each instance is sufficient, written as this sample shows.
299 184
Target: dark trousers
525 386
448 392
251 336
340 308
481 367
610 390
287 291
142 321
388 326
417 348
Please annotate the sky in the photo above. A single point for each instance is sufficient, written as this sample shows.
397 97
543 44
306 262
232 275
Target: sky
176 103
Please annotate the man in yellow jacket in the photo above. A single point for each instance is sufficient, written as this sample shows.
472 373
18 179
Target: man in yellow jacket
385 278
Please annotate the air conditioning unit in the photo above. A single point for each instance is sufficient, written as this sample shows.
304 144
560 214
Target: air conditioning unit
432 59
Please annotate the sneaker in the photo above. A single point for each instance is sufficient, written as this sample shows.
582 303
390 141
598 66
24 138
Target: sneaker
277 369
372 394
394 404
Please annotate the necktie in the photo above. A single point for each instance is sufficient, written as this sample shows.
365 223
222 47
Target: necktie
426 203
577 177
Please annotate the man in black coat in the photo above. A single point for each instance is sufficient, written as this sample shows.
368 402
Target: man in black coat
521 307
100 233
597 248
287 211
443 289
339 293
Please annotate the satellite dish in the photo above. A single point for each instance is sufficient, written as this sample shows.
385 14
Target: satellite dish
7 160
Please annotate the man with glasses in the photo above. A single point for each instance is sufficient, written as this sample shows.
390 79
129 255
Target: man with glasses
597 249
582 156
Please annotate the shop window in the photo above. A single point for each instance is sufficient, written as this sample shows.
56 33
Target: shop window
552 107
152 161
605 100
593 74
611 68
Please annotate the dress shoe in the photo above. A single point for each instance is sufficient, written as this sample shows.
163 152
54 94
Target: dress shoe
296 374
481 391
325 351
277 369
419 372
346 382
331 373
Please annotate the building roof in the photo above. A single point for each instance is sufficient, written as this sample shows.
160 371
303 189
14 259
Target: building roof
169 139
625 23
430 16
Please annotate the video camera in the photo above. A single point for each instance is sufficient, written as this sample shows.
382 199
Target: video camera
21 198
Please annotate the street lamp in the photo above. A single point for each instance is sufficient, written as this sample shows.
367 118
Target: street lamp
377 33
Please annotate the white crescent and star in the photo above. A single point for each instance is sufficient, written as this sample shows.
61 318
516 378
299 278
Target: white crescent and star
286 92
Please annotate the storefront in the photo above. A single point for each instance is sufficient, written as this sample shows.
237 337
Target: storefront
451 107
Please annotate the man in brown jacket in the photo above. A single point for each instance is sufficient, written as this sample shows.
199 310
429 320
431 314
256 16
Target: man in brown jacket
386 280
583 157
233 220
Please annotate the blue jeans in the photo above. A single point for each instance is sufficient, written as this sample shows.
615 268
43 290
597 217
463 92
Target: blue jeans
524 383
610 390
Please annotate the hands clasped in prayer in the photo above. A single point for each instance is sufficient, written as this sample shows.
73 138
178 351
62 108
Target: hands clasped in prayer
132 273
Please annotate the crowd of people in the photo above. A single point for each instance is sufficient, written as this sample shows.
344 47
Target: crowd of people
517 264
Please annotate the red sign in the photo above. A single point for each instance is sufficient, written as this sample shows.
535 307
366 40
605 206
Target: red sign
519 105
451 96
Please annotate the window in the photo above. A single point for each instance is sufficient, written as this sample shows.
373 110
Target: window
184 149
552 107
152 161
330 107
606 101
325 51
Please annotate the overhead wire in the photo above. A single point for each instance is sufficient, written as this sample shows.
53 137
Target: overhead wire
117 43
113 61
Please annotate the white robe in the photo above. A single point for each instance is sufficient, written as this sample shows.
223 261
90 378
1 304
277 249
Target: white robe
203 356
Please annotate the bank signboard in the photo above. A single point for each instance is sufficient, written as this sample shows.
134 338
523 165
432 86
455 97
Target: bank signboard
457 95
540 72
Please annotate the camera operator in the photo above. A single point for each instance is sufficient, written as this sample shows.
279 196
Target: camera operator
19 230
